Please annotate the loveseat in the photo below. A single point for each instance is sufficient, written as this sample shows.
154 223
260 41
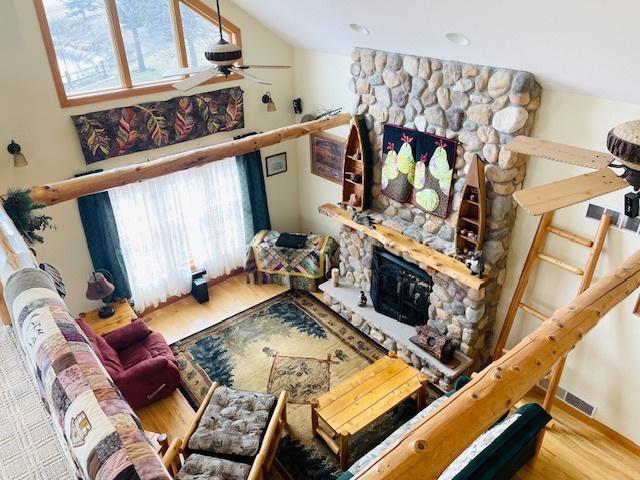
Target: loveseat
100 429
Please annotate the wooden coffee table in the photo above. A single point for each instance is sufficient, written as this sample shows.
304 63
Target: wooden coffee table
357 402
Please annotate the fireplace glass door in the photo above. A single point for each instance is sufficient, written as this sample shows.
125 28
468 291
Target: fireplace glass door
399 289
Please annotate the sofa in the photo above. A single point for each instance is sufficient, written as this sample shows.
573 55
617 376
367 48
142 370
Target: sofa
497 454
94 422
138 360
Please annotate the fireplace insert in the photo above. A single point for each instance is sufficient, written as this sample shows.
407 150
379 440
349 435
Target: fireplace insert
399 289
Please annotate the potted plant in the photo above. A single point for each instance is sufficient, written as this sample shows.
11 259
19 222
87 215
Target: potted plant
23 212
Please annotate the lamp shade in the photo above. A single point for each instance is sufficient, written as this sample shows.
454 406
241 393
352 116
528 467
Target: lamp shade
98 287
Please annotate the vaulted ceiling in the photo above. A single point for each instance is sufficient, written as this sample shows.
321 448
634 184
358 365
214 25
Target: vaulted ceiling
586 46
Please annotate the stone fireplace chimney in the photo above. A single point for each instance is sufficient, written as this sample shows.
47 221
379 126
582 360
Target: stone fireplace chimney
483 108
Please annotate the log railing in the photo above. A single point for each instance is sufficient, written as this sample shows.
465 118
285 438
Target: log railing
430 447
78 187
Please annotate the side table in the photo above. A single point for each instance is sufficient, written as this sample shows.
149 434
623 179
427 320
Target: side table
123 316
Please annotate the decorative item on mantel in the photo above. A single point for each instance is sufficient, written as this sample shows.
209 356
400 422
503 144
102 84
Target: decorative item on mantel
335 277
357 168
434 343
362 302
471 216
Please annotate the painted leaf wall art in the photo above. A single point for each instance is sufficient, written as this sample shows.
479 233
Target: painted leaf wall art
418 168
120 131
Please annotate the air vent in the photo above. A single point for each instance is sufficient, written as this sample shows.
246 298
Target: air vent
618 219
580 404
571 399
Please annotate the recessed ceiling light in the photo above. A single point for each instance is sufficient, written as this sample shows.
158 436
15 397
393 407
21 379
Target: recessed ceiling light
359 29
458 39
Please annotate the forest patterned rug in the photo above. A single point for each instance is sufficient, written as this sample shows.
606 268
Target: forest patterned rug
291 342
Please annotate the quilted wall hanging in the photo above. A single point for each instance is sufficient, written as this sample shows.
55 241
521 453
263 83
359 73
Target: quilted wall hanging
418 168
120 131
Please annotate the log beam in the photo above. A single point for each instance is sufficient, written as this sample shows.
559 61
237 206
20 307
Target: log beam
430 447
64 190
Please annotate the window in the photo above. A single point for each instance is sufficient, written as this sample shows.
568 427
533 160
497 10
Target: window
104 49
170 222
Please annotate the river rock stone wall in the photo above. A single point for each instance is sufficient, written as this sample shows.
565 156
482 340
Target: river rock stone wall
483 108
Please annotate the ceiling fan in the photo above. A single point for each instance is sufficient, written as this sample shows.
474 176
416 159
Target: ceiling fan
623 143
222 57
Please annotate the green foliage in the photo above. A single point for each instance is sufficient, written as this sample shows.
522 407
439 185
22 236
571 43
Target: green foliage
21 209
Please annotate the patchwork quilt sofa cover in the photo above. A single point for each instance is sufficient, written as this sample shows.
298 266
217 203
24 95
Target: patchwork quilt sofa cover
103 433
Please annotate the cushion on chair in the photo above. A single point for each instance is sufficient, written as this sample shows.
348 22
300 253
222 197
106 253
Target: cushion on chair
123 337
200 467
233 423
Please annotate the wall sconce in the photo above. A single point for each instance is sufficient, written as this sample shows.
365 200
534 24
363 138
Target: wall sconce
19 160
268 101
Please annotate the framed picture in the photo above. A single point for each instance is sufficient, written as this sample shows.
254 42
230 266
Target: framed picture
327 156
276 164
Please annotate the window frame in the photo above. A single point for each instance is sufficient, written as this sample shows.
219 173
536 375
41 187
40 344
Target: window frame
127 89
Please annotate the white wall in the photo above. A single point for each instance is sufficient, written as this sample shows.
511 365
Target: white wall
321 81
33 117
601 369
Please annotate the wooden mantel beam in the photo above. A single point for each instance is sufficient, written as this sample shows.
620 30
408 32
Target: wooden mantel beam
78 187
431 446
424 256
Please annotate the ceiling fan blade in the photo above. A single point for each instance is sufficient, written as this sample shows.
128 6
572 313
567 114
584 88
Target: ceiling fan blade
175 72
263 66
195 80
563 193
248 76
559 152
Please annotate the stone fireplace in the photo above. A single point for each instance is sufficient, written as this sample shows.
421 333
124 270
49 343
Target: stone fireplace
483 108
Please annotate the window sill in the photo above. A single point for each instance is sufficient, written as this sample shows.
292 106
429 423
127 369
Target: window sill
104 96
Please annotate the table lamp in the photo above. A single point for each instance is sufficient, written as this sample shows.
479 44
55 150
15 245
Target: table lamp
99 287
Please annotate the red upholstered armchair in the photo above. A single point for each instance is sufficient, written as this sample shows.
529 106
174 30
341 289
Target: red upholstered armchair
139 361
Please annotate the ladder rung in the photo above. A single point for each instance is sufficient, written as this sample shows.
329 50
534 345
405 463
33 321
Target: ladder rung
536 313
560 263
570 236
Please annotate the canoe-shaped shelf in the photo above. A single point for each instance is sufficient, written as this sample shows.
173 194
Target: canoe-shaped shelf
472 213
356 171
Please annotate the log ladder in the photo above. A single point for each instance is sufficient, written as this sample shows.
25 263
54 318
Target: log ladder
535 254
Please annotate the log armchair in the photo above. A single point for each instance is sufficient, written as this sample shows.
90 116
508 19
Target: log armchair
184 462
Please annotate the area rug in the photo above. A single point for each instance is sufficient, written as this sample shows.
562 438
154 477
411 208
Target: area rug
291 342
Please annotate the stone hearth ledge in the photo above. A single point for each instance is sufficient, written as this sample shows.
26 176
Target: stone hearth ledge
390 333
422 255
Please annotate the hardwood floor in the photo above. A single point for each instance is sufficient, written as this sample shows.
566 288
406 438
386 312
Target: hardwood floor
571 449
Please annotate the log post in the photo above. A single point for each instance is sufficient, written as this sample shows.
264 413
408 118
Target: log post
459 421
64 190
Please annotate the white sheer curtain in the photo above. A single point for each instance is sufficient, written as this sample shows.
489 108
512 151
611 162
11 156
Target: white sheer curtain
168 222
